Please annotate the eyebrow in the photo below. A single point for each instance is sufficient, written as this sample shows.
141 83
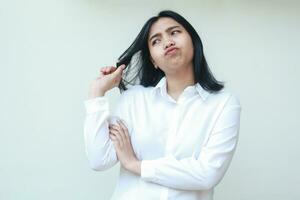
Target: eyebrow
168 29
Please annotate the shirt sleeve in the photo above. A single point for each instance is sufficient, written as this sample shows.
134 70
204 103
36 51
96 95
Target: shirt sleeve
208 169
98 146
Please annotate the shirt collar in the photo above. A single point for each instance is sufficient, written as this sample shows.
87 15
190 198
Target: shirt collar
161 86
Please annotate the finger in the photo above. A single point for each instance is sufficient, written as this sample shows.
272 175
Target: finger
102 72
114 131
120 69
113 126
118 136
113 137
103 69
111 69
107 69
121 132
124 128
115 141
122 125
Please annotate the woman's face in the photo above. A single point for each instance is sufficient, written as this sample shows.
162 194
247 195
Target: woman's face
167 34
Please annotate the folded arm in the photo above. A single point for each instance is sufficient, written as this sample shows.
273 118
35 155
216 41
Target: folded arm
98 146
207 170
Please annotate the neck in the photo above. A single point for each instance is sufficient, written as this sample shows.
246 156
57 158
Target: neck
176 83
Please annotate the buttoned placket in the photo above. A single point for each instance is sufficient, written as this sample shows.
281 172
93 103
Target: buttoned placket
176 118
171 140
171 135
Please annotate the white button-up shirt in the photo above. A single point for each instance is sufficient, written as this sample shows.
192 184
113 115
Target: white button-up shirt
185 146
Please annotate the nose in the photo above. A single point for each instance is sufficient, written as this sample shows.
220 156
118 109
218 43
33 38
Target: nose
169 43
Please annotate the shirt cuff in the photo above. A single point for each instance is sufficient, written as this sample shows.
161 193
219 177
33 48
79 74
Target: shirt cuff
148 170
96 104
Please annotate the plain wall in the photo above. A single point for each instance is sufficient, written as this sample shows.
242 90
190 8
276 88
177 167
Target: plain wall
51 50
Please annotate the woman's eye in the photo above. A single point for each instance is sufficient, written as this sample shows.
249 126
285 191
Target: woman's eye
175 31
154 41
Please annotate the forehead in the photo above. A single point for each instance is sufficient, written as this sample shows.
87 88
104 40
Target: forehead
162 24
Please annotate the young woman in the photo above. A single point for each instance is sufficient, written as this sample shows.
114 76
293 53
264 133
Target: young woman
175 131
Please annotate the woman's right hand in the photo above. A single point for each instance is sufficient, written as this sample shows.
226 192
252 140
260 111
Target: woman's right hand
109 78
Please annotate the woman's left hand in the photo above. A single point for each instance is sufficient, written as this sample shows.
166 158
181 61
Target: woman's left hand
119 135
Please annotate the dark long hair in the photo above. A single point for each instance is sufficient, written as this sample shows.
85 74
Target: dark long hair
145 72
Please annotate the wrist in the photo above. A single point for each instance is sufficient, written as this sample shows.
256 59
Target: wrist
134 166
98 93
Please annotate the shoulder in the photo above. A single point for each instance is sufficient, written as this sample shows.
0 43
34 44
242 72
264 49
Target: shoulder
133 91
225 97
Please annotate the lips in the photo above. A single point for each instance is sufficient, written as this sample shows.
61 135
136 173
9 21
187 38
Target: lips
171 50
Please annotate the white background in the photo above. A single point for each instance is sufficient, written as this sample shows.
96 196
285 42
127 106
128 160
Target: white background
50 50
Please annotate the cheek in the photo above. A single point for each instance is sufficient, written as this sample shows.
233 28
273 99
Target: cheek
189 47
155 54
191 51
